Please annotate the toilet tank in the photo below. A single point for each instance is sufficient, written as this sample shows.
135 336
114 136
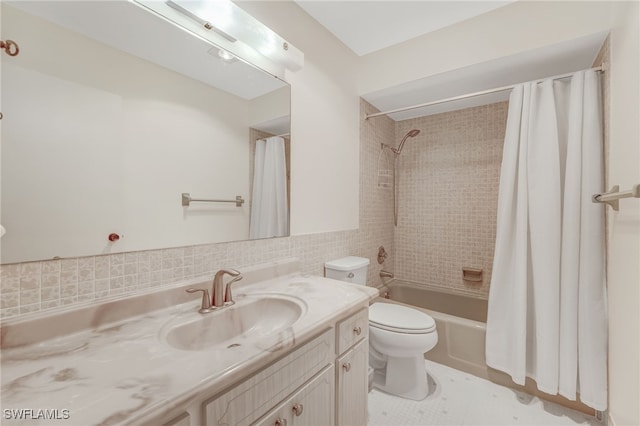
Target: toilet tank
351 269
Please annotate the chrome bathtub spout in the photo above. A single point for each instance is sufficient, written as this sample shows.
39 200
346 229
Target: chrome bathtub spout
218 296
385 274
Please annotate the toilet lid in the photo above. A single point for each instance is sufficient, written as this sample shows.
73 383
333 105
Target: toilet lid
402 319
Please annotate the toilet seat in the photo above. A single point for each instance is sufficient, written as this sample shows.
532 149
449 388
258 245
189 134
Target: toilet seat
400 319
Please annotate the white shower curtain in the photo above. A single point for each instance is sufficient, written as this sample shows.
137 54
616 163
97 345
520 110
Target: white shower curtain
547 303
269 213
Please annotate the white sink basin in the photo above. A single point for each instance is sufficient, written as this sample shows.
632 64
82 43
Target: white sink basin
250 319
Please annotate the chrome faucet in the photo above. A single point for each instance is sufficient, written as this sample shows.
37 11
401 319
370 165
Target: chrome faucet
220 294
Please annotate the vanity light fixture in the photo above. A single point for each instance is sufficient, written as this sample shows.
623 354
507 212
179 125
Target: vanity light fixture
240 34
205 24
224 55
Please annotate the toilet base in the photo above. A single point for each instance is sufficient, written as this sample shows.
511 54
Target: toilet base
403 377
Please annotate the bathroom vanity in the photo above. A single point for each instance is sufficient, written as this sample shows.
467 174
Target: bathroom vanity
293 350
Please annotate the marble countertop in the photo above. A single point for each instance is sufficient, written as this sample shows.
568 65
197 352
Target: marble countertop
125 373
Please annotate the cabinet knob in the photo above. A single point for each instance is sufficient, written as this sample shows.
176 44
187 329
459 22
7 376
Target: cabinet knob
280 422
297 409
347 367
357 330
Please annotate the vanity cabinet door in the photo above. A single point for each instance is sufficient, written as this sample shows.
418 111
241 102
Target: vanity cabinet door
352 386
351 330
311 405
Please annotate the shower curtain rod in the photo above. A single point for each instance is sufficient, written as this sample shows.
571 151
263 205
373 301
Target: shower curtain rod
276 136
484 92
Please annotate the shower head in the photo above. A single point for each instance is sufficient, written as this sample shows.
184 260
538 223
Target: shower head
412 134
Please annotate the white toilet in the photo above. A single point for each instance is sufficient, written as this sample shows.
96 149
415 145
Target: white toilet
398 336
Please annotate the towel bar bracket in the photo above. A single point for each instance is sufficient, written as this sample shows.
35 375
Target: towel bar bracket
614 195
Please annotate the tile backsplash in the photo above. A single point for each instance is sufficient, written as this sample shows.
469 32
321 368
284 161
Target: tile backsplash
37 286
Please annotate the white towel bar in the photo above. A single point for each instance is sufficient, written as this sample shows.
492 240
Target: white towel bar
614 195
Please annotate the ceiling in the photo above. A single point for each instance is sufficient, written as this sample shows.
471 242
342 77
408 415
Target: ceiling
557 59
369 26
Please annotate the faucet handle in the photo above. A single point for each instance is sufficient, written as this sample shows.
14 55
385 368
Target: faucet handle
206 300
230 271
228 297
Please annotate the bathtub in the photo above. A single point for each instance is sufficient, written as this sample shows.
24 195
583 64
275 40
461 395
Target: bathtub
461 324
460 321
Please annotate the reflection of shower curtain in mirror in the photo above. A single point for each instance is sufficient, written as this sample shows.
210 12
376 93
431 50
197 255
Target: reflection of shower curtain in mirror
269 215
547 302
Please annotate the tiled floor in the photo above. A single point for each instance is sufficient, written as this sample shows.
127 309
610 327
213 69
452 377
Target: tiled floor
457 398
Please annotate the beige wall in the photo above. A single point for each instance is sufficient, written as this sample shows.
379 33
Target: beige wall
324 122
271 106
624 225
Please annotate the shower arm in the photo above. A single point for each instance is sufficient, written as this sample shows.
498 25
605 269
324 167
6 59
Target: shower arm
398 150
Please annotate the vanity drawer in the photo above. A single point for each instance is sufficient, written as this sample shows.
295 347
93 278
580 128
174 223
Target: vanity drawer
251 399
351 330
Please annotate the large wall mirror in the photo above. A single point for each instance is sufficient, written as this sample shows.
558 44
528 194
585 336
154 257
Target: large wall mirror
111 113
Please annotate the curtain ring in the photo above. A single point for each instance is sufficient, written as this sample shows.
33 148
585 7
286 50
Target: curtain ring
10 47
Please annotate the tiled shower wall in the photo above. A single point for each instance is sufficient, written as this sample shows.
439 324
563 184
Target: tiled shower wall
448 179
